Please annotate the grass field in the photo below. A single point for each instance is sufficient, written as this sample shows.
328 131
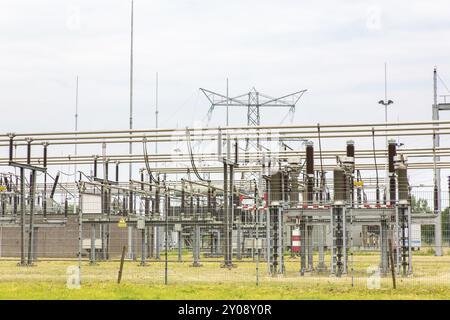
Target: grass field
47 280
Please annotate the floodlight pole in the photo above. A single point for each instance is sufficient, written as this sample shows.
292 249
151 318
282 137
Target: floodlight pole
386 103
437 171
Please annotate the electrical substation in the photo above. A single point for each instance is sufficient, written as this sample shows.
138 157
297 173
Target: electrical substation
259 193
224 152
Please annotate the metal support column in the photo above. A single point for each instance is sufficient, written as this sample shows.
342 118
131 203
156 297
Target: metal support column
280 240
180 246
268 241
156 232
310 247
238 240
321 267
384 246
22 217
35 243
143 246
92 253
196 247
302 246
131 247
31 225
437 173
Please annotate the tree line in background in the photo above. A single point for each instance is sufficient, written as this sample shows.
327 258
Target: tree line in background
420 205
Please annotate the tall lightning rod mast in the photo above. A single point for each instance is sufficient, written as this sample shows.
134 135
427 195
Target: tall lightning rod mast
76 149
130 168
76 121
156 111
131 89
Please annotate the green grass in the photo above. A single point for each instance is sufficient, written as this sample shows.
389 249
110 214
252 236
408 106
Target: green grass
109 290
47 280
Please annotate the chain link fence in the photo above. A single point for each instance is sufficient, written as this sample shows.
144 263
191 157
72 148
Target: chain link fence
189 245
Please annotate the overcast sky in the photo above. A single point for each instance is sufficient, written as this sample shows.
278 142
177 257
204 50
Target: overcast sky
335 49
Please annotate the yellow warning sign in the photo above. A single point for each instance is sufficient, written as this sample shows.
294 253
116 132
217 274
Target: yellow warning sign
3 188
358 183
122 223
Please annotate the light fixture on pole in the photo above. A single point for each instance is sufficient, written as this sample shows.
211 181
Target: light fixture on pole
386 102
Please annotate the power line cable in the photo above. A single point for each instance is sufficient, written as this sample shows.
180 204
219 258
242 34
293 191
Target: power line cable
443 83
194 168
147 164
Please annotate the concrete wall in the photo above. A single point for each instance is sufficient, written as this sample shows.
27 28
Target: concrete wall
62 242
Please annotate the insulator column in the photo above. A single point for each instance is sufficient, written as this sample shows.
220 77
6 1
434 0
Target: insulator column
339 185
208 205
95 166
338 248
66 207
183 197
306 229
274 220
404 218
293 178
11 146
309 172
55 183
29 140
117 171
351 158
392 152
44 195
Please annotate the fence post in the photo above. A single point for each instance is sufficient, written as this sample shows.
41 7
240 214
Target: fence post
391 258
122 258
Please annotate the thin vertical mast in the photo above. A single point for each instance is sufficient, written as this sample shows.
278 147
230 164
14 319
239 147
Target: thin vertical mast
385 81
385 98
156 111
76 149
437 171
227 104
76 121
435 86
131 90
228 135
130 168
435 137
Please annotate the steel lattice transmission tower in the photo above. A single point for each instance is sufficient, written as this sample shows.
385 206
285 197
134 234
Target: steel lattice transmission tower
253 101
